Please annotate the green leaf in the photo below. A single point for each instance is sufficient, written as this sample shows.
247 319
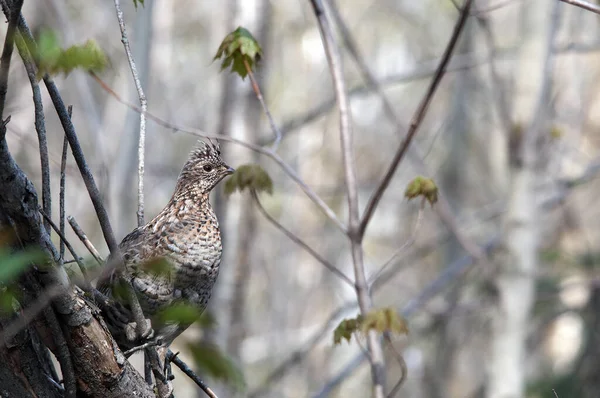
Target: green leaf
8 298
184 313
345 329
135 3
251 176
214 363
422 186
13 264
384 320
379 320
240 50
52 59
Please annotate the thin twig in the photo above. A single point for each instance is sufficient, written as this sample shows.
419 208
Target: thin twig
62 353
404 246
362 292
299 241
84 239
69 247
144 108
7 51
297 356
417 118
63 166
583 4
259 95
401 363
133 350
264 151
190 373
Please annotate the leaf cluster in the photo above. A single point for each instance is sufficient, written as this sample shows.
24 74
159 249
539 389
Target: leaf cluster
380 320
51 58
422 186
240 50
249 176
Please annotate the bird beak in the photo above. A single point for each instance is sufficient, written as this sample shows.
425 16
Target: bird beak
229 170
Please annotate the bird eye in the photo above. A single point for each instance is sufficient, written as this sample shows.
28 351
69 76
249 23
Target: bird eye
208 168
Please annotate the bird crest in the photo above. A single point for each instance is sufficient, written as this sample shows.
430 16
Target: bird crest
206 150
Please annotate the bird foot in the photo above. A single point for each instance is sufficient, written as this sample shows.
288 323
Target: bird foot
131 331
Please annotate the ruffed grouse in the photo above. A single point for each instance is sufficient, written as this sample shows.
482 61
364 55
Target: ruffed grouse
185 234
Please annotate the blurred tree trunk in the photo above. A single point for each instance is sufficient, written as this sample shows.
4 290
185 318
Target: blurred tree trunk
518 266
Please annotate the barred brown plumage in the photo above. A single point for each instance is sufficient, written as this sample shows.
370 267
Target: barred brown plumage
185 234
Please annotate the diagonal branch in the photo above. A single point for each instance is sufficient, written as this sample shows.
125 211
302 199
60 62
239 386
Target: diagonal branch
583 4
144 108
299 241
416 120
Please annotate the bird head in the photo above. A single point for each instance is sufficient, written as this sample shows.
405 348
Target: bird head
204 168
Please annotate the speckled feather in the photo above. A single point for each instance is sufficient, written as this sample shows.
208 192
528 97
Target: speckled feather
186 234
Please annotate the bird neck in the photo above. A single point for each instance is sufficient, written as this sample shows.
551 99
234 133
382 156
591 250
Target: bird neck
190 195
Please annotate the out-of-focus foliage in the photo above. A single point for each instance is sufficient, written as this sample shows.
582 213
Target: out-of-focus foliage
186 314
240 50
213 362
422 186
251 176
380 320
51 58
136 2
12 264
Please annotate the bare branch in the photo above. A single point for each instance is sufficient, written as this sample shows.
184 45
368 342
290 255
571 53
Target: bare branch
7 51
70 248
299 241
84 239
63 166
298 355
144 108
259 95
584 4
403 247
417 118
190 373
62 353
362 291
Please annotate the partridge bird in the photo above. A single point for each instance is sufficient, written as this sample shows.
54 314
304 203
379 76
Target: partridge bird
185 234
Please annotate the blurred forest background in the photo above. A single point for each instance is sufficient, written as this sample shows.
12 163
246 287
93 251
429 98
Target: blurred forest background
498 281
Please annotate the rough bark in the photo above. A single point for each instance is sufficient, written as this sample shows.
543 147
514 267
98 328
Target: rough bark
101 370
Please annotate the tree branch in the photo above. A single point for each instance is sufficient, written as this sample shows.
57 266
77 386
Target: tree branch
190 373
583 4
299 241
144 108
7 50
362 291
416 120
